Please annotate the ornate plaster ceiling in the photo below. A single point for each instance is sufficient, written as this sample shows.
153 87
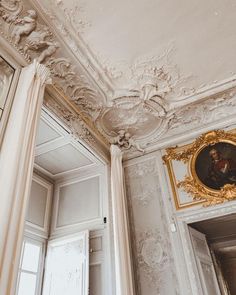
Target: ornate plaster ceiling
142 63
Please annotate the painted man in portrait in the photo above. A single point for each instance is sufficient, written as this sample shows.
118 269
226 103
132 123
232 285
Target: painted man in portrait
221 171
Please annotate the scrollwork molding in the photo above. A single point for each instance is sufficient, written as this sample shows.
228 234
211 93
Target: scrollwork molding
23 27
77 127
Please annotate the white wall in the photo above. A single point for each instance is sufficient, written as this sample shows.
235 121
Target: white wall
161 255
80 203
152 253
39 209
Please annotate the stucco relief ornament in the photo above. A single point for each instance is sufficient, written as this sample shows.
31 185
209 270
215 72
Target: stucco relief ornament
125 141
152 256
157 82
215 107
138 176
77 126
37 38
10 9
75 86
23 26
41 40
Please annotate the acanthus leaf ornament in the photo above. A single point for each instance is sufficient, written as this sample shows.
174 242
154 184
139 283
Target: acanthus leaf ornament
208 138
199 192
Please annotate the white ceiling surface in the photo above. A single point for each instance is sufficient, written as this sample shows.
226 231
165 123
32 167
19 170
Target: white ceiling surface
57 153
45 133
195 40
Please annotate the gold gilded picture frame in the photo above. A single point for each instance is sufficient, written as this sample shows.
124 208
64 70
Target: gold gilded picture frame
173 181
211 175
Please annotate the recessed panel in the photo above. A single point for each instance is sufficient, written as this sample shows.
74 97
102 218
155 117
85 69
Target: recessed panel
79 202
62 159
37 204
95 279
96 244
6 75
45 133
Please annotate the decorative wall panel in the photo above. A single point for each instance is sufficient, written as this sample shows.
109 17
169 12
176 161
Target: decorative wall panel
78 202
153 262
39 206
99 274
95 274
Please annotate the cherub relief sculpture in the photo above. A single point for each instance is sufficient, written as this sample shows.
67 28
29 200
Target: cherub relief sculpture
24 26
37 40
125 141
49 51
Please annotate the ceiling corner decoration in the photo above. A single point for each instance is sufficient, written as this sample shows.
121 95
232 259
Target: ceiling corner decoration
137 70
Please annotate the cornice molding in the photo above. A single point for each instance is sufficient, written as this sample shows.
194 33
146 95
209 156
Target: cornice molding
144 118
217 109
27 33
79 127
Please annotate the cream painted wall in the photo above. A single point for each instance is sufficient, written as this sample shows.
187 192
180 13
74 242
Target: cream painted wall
161 256
39 208
81 203
154 267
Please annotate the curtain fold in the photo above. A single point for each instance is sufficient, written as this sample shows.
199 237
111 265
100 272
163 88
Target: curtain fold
123 267
16 168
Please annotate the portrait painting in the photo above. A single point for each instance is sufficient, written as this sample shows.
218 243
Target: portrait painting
215 165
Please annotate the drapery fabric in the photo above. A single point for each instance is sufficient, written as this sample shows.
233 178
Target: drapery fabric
16 167
123 267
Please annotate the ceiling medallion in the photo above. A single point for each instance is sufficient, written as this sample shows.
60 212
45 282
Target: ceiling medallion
211 159
139 116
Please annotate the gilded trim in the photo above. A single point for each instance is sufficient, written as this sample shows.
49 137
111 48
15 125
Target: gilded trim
191 183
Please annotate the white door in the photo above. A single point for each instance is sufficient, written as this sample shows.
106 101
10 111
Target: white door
205 266
67 266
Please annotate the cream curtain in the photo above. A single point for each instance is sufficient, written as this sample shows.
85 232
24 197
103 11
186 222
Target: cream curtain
16 166
123 268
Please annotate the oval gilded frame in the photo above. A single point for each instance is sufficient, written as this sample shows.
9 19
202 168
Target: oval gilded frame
191 183
192 163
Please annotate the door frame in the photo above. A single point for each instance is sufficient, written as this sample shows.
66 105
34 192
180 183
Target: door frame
186 217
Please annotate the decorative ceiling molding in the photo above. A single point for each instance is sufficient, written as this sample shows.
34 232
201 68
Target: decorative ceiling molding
69 31
28 32
157 70
78 126
136 105
196 118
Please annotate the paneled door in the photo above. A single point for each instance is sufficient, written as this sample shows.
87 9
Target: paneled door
67 266
205 266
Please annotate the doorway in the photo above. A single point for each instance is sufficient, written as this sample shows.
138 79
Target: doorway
214 246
